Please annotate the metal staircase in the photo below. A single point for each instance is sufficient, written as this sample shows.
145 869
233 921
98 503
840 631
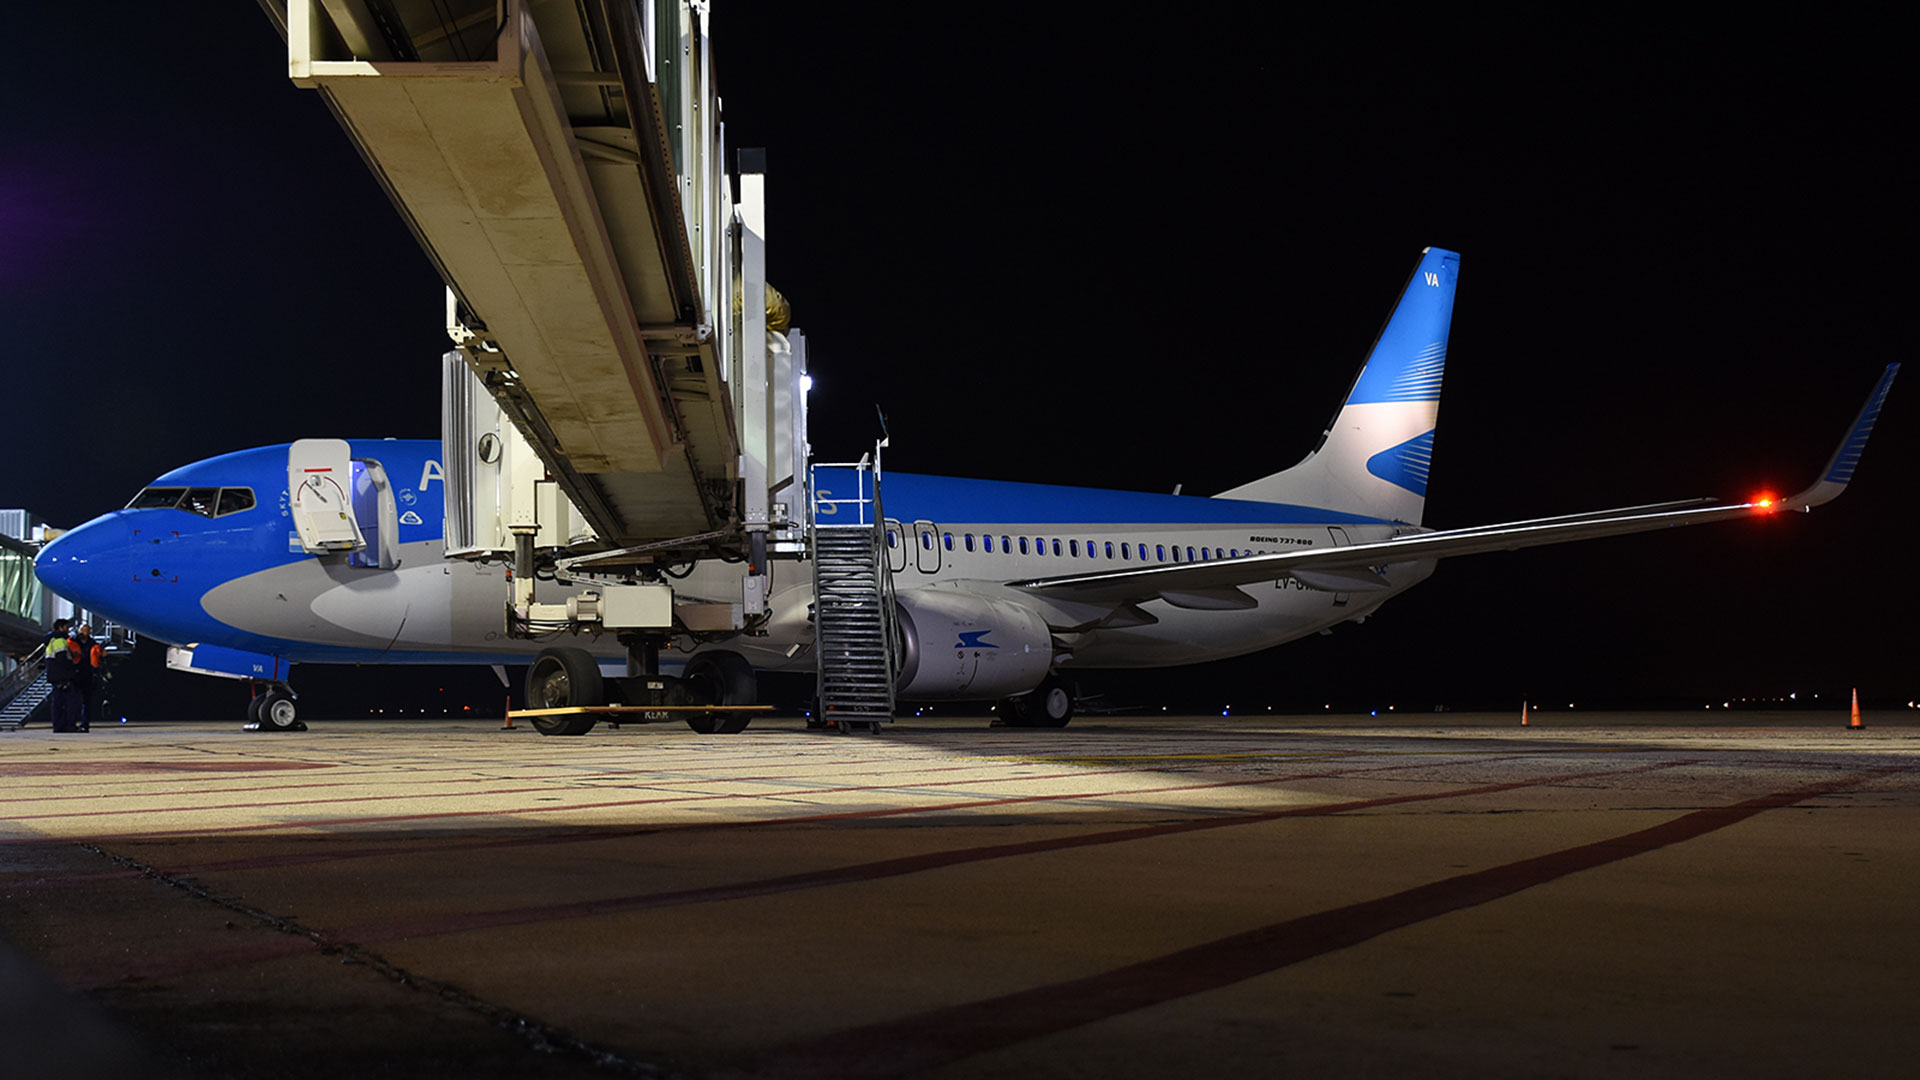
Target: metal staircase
853 613
25 691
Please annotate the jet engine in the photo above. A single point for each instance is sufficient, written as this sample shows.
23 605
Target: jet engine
959 645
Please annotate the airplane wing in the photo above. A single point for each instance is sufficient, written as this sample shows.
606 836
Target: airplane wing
1353 568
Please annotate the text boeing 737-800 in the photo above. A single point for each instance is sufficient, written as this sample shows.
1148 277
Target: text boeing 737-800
1002 589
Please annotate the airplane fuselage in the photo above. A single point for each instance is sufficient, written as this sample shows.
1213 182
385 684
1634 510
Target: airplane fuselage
201 571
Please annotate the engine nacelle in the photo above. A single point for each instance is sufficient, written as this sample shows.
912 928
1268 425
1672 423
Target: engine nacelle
958 645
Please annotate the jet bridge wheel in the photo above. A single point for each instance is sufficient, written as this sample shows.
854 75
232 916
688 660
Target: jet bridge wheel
562 677
720 678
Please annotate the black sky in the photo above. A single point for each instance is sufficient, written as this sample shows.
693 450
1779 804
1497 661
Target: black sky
1126 251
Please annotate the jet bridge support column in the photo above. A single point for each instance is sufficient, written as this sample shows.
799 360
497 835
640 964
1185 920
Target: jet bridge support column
755 421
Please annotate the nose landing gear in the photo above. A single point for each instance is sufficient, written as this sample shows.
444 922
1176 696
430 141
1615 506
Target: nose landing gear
273 709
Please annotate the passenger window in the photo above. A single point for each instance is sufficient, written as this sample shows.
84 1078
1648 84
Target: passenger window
1073 548
1160 550
1176 552
1006 546
1056 548
156 498
1143 553
1109 549
1176 555
234 500
1235 552
926 541
1218 554
969 541
1023 545
893 539
1203 554
1124 549
947 538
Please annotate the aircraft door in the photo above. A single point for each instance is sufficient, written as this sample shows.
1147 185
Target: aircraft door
319 495
1339 536
379 519
926 547
896 547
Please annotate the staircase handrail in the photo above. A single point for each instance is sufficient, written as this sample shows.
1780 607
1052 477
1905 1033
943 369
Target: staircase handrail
21 677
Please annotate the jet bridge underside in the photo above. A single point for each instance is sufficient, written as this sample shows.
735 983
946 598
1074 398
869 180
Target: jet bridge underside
523 143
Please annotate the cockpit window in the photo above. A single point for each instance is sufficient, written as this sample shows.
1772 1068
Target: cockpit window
200 501
234 500
205 501
156 498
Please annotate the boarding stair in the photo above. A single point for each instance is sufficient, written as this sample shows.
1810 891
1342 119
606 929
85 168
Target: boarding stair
853 611
26 689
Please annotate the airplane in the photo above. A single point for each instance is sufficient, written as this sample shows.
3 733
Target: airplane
1004 589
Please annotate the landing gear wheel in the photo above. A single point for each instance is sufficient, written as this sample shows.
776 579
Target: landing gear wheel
276 711
1013 712
1049 705
563 677
720 678
253 709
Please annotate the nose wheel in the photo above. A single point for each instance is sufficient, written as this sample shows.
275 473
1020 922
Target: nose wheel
273 709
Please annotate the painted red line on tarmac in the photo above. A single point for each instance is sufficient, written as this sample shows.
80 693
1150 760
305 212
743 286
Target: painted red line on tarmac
149 810
940 1037
466 775
848 815
102 768
913 864
786 793
557 786
174 792
591 834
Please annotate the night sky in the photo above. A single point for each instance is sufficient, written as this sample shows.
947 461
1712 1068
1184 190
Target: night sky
1129 252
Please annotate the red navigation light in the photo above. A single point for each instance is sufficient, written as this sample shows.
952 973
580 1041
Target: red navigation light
1764 500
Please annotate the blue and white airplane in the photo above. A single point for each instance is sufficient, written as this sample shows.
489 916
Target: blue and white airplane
1005 589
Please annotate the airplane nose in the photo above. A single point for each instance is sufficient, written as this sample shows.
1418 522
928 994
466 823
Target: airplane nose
87 565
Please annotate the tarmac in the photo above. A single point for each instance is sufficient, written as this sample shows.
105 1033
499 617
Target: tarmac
1727 894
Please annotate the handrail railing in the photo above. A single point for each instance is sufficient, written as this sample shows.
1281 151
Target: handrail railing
21 677
860 500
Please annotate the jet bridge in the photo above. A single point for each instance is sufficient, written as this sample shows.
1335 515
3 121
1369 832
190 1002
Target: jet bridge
623 395
564 165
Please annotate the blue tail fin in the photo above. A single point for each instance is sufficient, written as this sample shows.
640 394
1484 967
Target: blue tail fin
1373 459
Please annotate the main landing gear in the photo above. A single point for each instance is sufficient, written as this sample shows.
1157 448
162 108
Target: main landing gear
1049 705
273 708
564 677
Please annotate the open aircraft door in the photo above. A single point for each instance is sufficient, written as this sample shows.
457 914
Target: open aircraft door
319 495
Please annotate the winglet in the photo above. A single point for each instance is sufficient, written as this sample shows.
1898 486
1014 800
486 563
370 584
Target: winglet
1839 470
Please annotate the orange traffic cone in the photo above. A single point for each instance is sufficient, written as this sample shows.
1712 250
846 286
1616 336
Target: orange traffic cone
1523 712
1855 724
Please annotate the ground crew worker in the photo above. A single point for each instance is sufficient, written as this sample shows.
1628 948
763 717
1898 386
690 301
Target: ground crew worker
86 662
62 673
